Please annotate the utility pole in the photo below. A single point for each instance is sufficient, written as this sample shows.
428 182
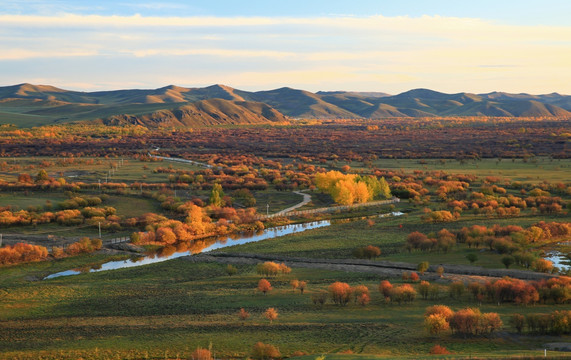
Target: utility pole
99 184
267 209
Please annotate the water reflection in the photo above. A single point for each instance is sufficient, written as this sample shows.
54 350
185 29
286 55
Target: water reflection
198 246
209 244
559 260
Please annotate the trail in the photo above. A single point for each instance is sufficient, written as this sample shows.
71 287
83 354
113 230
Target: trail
305 201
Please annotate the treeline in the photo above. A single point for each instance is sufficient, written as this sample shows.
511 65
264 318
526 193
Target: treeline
556 323
24 253
469 321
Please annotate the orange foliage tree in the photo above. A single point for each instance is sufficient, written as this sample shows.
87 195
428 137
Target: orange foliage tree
264 286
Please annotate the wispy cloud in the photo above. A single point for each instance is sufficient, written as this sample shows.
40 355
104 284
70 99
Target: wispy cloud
364 53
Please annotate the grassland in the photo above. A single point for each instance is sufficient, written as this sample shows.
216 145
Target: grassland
528 171
166 310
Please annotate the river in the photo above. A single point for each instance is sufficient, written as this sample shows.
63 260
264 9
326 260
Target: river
217 244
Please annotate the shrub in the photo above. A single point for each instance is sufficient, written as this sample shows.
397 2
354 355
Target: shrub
201 354
263 351
320 298
439 350
231 270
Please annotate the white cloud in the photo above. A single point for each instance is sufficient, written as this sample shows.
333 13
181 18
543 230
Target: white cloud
448 54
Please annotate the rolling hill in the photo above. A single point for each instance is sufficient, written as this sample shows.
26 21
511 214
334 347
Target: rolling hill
28 105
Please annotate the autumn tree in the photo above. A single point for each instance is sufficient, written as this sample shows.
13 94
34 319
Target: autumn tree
271 314
294 284
243 314
436 324
423 289
340 293
264 286
385 288
302 286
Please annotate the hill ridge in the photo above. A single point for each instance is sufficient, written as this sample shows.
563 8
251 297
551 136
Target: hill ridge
49 104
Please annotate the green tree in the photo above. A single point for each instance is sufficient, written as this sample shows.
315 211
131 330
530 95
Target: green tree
216 195
508 261
472 258
42 176
422 267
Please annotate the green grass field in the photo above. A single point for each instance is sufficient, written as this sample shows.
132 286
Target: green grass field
93 169
166 310
534 170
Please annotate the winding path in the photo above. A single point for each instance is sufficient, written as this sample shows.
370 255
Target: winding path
305 201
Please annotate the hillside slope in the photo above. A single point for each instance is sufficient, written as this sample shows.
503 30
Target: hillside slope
32 105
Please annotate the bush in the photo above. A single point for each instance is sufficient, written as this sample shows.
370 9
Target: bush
201 354
263 351
439 350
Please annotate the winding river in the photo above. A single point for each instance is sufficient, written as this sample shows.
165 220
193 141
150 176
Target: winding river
207 245
218 244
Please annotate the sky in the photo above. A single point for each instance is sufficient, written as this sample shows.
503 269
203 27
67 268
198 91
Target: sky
360 45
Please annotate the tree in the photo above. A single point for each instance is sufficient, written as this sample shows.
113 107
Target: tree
302 286
543 265
42 176
363 299
456 289
231 270
442 310
340 293
360 290
294 284
165 235
263 351
518 322
472 258
436 323
508 261
319 298
440 271
422 267
264 286
201 354
216 195
243 314
423 289
271 314
385 288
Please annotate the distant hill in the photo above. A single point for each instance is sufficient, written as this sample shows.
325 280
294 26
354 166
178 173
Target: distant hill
32 105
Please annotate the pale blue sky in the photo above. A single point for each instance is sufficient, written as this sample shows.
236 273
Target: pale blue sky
390 46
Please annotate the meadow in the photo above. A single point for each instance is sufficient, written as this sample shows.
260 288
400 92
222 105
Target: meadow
167 310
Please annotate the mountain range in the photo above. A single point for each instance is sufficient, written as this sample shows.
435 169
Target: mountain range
28 105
